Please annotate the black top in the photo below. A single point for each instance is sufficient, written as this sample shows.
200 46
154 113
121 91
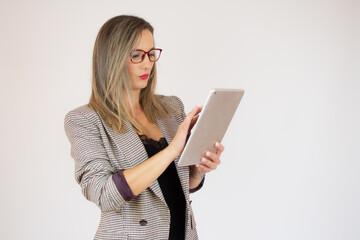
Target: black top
171 188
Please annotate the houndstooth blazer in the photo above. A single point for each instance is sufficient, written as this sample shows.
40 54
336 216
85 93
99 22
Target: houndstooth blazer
99 152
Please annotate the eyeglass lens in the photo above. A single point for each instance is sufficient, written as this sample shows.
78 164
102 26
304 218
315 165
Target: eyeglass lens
138 56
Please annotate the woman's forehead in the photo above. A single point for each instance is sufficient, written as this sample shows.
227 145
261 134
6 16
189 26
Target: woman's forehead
145 42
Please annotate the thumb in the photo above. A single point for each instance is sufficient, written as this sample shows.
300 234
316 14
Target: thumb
190 116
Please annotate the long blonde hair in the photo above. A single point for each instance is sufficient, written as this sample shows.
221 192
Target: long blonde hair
111 88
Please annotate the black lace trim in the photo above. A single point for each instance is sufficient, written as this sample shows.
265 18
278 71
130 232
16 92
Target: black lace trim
156 144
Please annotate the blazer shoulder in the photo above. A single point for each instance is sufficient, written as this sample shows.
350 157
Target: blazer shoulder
171 102
83 115
174 106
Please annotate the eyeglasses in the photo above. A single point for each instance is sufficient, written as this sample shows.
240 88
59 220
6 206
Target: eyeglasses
137 56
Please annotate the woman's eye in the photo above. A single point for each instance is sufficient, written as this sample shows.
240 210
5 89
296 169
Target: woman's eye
135 56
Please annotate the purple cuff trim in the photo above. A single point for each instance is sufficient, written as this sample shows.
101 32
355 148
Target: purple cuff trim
122 186
199 186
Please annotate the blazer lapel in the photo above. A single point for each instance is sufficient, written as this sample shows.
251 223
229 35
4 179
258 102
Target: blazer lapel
133 150
169 128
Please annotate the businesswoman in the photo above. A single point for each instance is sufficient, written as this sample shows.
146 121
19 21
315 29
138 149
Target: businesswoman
127 140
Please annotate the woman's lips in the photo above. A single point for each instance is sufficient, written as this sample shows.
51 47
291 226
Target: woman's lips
145 76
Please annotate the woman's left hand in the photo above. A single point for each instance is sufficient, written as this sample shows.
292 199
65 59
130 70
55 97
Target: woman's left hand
208 162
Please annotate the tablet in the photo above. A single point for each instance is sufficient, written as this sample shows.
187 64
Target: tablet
211 125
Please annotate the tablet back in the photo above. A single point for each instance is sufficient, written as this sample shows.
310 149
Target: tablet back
212 124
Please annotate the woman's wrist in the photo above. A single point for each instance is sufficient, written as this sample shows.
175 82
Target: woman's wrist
200 178
171 152
195 174
196 179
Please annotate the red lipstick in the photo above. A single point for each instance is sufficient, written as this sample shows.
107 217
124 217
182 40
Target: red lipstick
145 76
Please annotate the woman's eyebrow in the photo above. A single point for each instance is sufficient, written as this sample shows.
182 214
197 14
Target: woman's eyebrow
138 49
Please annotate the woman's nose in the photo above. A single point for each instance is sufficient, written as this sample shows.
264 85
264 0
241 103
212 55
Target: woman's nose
146 63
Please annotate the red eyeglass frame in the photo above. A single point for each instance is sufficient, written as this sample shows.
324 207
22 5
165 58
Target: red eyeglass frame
146 53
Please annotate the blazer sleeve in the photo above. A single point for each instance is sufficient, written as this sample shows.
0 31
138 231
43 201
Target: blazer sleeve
93 170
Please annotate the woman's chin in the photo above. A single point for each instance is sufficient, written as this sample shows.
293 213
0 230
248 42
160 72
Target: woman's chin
139 87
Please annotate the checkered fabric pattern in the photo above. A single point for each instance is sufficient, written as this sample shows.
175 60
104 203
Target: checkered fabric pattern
99 152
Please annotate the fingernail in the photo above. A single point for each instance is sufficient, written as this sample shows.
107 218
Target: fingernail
217 144
208 154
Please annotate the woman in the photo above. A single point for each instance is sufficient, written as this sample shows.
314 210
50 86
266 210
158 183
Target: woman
127 140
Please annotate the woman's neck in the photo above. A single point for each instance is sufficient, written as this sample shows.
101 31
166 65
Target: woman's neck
135 100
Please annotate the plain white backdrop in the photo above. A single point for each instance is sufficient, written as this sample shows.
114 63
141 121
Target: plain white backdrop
291 165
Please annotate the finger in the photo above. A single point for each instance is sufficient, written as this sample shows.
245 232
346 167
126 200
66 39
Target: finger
194 111
196 117
191 114
219 148
193 121
188 119
199 171
214 157
203 168
209 163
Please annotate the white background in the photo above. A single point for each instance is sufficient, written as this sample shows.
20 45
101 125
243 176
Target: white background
291 165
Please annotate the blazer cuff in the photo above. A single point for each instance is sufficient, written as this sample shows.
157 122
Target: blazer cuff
122 186
199 186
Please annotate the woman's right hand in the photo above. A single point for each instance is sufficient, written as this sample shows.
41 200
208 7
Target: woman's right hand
179 141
